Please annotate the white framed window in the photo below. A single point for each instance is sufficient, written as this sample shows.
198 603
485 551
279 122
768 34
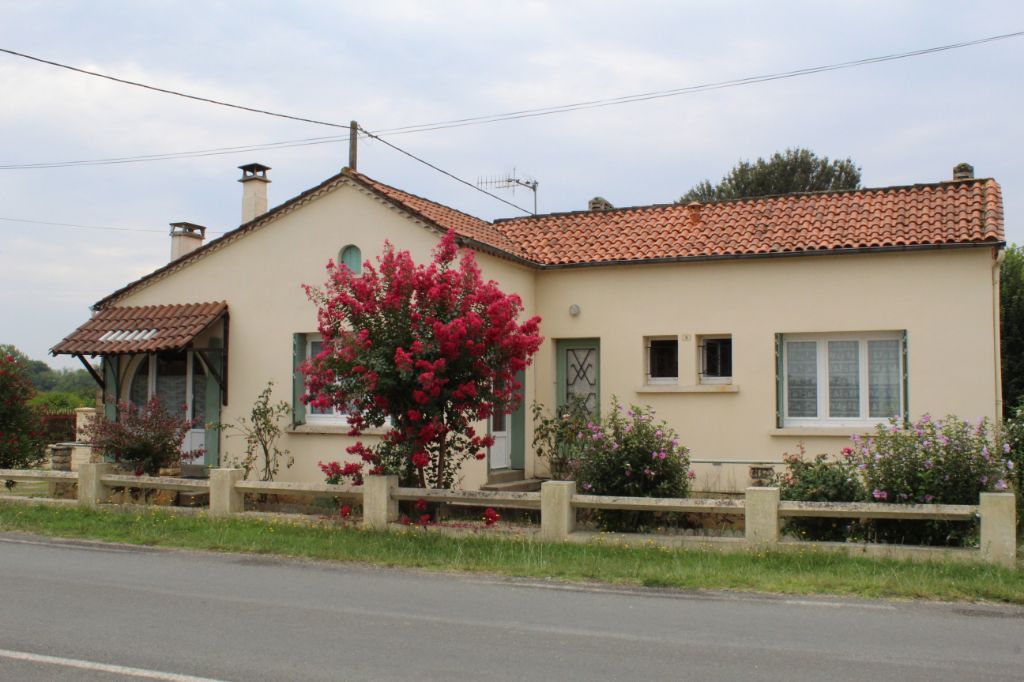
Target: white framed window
321 415
842 379
716 359
176 378
662 359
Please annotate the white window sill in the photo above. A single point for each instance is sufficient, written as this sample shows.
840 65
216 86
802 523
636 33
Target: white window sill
824 431
695 388
332 430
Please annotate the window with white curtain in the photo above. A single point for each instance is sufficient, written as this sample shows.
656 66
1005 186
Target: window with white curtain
849 379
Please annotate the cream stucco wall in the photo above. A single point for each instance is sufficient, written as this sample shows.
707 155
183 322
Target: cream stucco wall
260 276
943 299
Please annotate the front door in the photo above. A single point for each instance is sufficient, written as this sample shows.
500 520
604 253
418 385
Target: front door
579 372
501 449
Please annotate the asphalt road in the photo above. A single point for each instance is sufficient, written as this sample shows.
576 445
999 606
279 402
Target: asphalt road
82 611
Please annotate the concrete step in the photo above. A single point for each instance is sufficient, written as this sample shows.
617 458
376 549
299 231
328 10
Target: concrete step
505 476
528 485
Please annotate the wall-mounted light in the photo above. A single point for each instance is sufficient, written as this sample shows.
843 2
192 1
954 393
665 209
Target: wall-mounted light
574 310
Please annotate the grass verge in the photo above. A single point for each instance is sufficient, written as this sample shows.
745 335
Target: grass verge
810 572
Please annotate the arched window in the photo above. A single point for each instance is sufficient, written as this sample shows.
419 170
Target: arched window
352 258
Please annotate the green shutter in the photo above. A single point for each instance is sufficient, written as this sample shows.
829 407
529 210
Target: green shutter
906 381
779 397
518 433
112 385
213 403
352 258
298 379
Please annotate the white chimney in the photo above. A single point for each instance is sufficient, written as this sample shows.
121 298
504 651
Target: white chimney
186 238
254 190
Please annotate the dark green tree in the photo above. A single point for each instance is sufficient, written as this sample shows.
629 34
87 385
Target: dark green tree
795 170
1011 324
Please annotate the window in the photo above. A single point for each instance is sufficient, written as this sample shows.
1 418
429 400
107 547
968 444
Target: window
716 360
351 257
842 379
321 415
662 360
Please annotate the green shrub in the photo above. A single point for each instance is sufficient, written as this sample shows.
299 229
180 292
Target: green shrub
554 437
947 461
626 453
822 479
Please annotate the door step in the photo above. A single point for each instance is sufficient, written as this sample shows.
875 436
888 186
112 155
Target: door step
528 485
505 476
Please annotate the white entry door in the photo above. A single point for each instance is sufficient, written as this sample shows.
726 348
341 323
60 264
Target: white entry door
501 449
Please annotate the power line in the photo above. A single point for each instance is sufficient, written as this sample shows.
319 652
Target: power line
544 111
91 227
168 156
691 89
172 92
444 172
470 121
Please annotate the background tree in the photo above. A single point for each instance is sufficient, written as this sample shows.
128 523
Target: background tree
1011 324
425 351
21 437
795 170
76 386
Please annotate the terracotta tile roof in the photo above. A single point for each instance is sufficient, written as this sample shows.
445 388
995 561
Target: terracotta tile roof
140 329
961 212
442 216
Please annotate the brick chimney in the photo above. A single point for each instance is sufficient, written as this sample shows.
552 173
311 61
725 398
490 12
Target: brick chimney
599 204
254 190
186 238
963 171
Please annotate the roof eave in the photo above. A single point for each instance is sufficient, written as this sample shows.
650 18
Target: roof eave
779 254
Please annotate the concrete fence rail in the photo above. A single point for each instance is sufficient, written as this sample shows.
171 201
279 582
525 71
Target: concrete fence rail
558 502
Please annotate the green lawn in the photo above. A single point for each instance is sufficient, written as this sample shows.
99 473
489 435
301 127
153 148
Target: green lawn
809 572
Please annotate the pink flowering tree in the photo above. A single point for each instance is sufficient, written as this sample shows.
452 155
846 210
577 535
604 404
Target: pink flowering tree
424 351
21 434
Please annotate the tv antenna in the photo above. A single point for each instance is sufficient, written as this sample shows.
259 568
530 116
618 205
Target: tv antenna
511 181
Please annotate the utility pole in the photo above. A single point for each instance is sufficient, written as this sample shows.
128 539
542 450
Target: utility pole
353 137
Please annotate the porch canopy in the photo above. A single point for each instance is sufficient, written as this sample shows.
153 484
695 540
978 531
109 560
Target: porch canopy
131 330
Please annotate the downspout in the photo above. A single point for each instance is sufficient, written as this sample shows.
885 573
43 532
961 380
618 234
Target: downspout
997 261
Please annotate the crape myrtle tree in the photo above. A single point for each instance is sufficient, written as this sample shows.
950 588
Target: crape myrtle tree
21 434
424 351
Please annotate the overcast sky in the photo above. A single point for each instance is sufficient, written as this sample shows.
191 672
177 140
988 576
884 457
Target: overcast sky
391 64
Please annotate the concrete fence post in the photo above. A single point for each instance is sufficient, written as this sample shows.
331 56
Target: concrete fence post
557 515
379 507
91 489
999 529
224 499
761 513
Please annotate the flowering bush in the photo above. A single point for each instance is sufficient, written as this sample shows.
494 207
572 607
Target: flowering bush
948 461
1013 433
424 351
628 454
491 517
21 434
822 479
554 437
146 439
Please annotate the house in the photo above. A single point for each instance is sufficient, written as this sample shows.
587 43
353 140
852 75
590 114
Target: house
751 326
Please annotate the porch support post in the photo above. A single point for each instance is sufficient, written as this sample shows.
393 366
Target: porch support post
999 529
557 516
225 500
761 513
379 507
91 489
